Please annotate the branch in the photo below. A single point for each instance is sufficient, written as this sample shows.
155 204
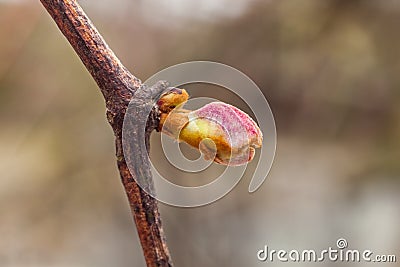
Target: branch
118 86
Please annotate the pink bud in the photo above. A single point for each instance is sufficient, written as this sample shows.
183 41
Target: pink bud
220 131
233 132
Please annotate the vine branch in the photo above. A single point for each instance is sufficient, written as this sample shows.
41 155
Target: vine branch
118 86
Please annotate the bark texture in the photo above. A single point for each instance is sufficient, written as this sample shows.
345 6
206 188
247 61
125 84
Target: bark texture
118 87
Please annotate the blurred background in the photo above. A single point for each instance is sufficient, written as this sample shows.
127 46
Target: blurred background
329 69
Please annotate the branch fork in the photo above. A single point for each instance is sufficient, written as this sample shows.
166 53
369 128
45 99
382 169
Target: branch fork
118 86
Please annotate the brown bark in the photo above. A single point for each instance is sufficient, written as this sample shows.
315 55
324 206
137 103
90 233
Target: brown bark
118 86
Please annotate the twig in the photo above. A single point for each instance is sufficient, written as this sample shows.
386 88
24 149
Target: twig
118 85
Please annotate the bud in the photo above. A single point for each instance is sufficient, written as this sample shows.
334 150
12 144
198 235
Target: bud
222 132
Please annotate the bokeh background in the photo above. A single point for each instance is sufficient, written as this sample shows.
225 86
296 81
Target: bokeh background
329 69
